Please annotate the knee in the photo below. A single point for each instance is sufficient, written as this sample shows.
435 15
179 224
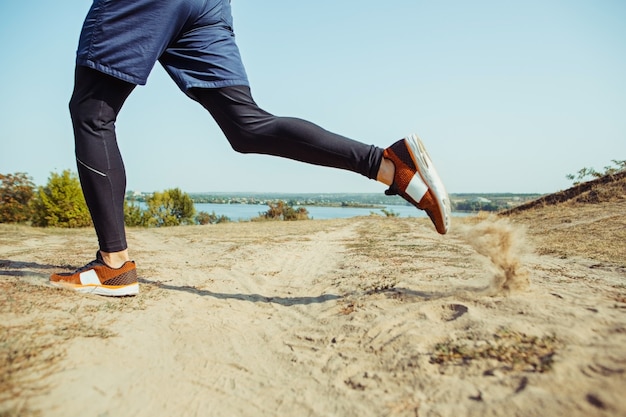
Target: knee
241 141
251 136
94 125
79 110
74 106
91 114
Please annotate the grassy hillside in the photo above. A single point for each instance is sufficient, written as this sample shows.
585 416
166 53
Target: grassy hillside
587 220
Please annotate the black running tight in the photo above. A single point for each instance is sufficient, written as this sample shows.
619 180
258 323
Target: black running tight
98 98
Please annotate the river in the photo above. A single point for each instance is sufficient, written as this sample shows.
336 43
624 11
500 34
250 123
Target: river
243 212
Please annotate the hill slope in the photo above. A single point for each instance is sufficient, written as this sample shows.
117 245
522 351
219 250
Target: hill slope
587 220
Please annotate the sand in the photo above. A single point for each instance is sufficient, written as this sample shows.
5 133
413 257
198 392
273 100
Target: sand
369 316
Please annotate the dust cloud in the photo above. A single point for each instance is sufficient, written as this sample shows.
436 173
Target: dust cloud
503 244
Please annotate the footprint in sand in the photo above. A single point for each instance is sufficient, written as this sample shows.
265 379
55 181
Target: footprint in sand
452 312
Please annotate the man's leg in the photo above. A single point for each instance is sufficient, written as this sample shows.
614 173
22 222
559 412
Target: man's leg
95 103
405 166
94 106
250 129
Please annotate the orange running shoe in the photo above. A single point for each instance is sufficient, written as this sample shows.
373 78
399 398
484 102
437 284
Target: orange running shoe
98 278
417 181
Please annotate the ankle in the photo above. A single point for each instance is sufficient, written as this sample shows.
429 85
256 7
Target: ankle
386 172
115 259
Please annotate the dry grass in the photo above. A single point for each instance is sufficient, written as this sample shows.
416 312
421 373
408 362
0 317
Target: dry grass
596 232
32 346
513 351
390 251
27 349
26 355
590 223
593 231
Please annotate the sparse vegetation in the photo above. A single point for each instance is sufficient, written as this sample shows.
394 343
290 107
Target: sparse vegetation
283 211
211 218
389 213
515 351
589 173
30 351
594 209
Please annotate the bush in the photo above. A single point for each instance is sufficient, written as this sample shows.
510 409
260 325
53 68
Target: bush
170 208
60 203
283 211
475 206
585 173
205 218
389 213
133 214
16 191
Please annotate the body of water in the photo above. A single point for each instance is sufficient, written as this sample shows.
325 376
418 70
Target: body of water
242 212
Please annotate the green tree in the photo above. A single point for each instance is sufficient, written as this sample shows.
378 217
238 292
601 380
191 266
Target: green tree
169 208
16 191
205 218
133 214
60 203
284 211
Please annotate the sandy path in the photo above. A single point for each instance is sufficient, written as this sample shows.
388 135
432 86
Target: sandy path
326 318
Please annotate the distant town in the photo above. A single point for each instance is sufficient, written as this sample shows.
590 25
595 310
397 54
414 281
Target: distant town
466 202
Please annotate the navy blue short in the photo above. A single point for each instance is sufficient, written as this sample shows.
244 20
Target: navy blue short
192 39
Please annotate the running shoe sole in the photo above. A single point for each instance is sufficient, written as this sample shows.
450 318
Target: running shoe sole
105 290
428 175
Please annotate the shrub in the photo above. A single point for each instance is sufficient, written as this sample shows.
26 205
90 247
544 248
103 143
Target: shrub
283 211
133 214
205 218
389 213
16 191
60 203
585 173
169 208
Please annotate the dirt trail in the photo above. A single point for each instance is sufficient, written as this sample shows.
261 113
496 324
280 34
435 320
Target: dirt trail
361 317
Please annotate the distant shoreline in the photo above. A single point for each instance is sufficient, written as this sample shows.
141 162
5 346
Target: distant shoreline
462 202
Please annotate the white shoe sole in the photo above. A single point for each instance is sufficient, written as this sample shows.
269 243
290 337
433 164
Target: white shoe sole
428 174
121 291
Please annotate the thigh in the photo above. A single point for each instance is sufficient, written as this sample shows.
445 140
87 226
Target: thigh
96 101
92 85
125 38
205 54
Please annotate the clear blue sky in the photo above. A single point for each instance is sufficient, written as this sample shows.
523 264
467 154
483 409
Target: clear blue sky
508 96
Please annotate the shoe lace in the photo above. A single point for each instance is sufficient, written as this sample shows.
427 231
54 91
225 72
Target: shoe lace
96 262
90 265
